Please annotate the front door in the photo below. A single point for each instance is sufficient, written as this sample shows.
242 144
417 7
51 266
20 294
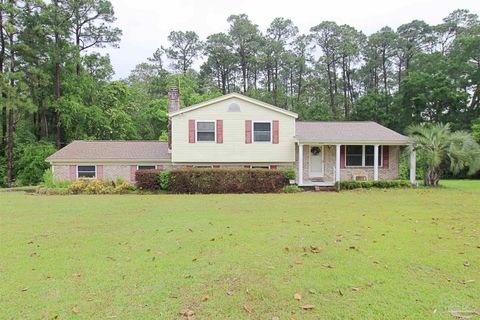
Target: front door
316 161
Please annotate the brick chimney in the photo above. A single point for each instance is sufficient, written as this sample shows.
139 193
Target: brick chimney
173 105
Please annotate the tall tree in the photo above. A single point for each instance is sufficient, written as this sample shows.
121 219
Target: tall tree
245 40
184 48
91 21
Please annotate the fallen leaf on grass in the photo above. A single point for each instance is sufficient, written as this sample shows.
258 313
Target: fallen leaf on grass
463 281
248 308
286 248
464 314
327 265
111 258
33 254
194 259
315 249
24 289
308 307
340 292
275 318
204 298
75 309
298 261
297 296
187 313
230 292
77 274
355 289
466 263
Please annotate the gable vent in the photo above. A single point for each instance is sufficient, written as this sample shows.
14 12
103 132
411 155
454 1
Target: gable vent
234 107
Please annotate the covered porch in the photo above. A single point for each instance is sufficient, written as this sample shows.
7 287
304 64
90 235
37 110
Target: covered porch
323 164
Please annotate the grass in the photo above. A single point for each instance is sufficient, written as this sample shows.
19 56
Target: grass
385 254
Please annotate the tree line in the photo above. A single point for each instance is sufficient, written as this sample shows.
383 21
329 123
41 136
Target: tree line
55 88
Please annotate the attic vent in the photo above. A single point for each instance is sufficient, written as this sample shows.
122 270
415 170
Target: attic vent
234 107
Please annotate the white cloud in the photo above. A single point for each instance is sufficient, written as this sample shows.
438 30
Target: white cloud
147 23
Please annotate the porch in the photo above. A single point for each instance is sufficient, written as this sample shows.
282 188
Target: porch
322 165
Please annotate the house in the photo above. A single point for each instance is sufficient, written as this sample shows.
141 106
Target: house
237 131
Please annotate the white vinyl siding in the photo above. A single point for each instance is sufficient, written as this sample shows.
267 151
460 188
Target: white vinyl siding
233 149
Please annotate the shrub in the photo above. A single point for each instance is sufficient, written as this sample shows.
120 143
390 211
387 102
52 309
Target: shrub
31 164
289 174
164 180
90 186
292 189
147 179
119 181
385 184
124 187
226 180
50 182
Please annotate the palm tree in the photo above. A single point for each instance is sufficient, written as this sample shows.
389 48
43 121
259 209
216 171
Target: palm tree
443 149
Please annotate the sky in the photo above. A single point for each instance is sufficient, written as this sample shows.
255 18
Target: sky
147 23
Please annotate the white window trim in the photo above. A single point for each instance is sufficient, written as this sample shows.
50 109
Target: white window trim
146 164
380 150
214 131
86 165
253 131
310 162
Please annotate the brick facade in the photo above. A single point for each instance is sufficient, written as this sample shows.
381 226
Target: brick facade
390 173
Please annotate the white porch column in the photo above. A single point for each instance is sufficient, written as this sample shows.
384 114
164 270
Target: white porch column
375 162
413 167
337 163
300 164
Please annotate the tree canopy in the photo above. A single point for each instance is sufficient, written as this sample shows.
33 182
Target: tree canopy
55 88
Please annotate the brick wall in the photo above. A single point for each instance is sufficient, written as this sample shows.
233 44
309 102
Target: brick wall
392 173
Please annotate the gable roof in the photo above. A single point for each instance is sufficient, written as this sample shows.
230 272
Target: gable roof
233 95
113 151
347 131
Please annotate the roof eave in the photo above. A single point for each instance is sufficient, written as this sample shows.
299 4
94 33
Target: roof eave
235 95
352 142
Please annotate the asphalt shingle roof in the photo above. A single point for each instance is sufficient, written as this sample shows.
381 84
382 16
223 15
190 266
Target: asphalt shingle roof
338 131
113 150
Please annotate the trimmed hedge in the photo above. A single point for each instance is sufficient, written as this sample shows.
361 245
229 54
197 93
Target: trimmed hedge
147 179
385 184
196 180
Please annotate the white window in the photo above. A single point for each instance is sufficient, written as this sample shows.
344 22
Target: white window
262 132
86 172
146 167
206 131
362 156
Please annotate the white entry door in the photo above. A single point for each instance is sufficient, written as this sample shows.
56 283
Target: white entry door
316 161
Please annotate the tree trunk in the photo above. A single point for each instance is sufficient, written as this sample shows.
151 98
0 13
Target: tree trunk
57 86
3 143
10 147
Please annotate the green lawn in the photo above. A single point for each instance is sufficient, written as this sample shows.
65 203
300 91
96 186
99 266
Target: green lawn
385 254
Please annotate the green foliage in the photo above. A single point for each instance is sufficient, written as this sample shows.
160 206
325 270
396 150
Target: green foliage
292 189
289 174
384 184
164 180
50 182
226 180
31 164
444 150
